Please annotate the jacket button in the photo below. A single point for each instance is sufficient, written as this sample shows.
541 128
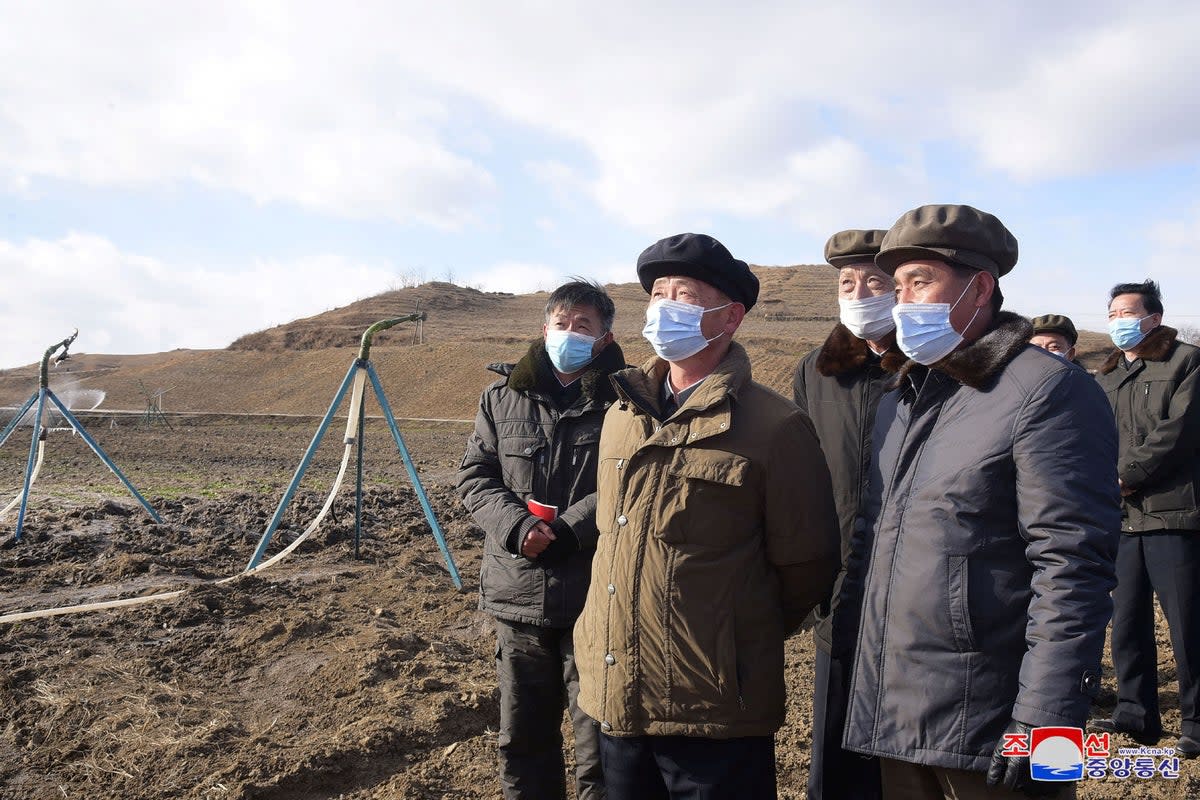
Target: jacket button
620 461
604 726
609 659
621 520
549 573
612 589
674 439
546 621
528 450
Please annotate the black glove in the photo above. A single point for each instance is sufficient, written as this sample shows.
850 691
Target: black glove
1013 771
565 542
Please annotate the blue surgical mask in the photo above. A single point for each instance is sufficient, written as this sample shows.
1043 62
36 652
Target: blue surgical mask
870 317
1126 332
569 351
924 332
673 329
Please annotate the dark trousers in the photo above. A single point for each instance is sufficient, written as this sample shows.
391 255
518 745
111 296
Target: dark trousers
538 679
905 781
688 768
835 773
1166 564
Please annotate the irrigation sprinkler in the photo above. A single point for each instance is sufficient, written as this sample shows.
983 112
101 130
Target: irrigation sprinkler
38 443
356 378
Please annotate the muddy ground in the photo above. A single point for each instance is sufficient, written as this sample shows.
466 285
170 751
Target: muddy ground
326 676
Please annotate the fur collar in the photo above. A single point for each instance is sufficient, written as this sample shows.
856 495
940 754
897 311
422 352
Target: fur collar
1157 346
533 372
843 352
976 364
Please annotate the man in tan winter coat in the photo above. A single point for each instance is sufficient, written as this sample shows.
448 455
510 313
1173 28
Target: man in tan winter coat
717 536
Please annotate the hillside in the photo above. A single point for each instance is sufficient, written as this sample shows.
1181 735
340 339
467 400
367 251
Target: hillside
296 367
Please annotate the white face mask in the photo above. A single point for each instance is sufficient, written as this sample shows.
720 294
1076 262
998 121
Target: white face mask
673 329
924 332
870 317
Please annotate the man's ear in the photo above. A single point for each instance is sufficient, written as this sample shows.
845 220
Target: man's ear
986 288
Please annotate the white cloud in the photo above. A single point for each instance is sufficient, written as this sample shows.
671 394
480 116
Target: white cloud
278 106
126 303
1116 98
811 113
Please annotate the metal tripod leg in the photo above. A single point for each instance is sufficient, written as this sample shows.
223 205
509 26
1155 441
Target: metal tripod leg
108 462
412 474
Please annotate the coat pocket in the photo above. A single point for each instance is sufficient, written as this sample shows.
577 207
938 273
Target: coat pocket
959 594
705 500
519 460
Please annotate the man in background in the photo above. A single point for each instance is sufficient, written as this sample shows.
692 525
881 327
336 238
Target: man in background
1056 334
1151 381
839 385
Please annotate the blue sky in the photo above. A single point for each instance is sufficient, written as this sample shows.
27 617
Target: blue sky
178 174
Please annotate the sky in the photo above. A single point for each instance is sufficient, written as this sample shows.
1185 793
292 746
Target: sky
174 175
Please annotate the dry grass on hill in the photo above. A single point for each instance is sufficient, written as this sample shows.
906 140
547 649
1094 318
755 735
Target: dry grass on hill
295 368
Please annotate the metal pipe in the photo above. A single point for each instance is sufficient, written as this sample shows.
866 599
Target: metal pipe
412 474
364 350
108 462
358 494
64 344
37 432
302 468
12 426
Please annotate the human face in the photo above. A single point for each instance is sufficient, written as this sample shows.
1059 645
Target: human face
1054 343
931 281
862 280
579 319
1133 305
698 293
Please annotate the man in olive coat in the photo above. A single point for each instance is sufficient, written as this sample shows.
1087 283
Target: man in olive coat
535 442
717 538
1153 383
993 515
839 385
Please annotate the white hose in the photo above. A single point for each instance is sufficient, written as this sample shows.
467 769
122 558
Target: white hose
151 598
33 477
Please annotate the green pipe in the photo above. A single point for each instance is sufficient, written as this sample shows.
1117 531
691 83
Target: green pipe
365 350
64 344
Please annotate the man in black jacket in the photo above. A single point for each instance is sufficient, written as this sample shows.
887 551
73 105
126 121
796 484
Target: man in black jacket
529 479
1151 382
839 385
993 516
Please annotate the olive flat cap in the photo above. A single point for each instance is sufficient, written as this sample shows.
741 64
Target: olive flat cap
1056 323
702 257
852 247
958 234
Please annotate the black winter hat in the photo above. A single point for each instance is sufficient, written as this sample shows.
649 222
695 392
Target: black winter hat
954 233
702 257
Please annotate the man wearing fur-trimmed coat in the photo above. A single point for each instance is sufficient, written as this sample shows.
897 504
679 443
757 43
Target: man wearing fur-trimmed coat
1153 383
529 479
839 385
994 520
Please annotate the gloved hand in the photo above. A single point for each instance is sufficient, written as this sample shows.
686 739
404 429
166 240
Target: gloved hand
565 542
1013 771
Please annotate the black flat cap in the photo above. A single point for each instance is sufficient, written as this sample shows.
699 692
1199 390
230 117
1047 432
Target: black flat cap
853 247
957 234
699 256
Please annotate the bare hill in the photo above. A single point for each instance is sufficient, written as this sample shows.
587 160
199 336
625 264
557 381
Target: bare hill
295 368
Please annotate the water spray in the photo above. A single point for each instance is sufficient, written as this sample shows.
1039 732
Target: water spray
37 444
